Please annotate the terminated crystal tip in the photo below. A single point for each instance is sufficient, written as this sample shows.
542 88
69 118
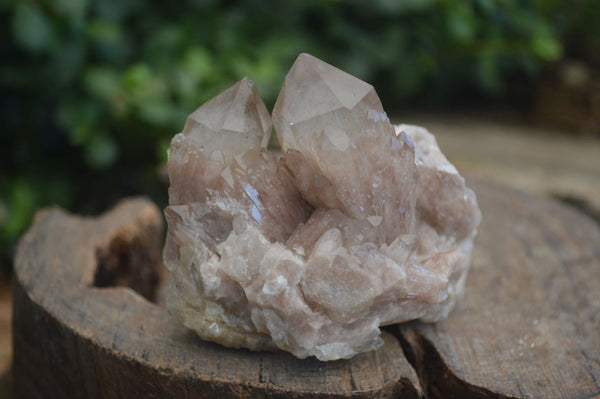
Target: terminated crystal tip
360 224
314 90
232 122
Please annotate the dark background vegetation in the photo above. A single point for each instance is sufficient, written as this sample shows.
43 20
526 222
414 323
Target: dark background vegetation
93 90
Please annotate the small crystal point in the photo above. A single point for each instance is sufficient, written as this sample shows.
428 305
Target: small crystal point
238 117
314 92
233 122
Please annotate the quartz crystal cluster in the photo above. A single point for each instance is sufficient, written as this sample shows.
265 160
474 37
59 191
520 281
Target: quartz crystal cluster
356 224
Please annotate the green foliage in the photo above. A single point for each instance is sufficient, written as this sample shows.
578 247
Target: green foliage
92 91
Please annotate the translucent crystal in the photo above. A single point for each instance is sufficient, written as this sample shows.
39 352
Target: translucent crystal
226 126
360 224
341 148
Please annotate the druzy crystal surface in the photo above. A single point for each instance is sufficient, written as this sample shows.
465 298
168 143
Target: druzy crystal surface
356 224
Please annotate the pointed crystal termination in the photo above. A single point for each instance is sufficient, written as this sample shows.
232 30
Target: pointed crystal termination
341 148
232 122
228 125
361 225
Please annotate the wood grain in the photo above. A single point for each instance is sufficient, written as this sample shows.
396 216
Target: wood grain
74 339
529 324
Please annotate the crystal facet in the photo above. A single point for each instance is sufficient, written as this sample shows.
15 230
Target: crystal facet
360 224
341 148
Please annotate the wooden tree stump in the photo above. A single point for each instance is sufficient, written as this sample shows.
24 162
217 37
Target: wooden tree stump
76 335
529 324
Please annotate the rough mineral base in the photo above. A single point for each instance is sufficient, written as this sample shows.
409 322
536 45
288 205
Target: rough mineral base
357 224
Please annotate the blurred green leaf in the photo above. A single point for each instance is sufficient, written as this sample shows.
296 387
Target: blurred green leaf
101 152
102 82
30 27
75 9
104 31
198 62
156 113
489 73
461 22
136 77
161 149
108 40
20 207
79 119
117 10
545 47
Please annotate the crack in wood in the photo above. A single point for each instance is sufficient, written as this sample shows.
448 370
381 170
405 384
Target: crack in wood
436 378
580 204
588 366
352 382
261 378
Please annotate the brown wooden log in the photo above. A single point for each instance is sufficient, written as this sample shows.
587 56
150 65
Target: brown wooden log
529 323
76 335
527 327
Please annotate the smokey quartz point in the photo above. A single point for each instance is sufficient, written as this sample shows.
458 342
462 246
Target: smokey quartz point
358 224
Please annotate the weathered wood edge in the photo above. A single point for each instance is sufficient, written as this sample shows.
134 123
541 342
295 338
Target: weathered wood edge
532 296
61 349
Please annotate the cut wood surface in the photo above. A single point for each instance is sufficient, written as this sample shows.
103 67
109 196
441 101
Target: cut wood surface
527 327
529 323
75 340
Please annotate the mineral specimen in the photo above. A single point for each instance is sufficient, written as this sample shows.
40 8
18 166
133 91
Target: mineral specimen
358 225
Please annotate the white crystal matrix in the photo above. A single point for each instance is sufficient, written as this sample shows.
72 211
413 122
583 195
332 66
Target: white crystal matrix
358 225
